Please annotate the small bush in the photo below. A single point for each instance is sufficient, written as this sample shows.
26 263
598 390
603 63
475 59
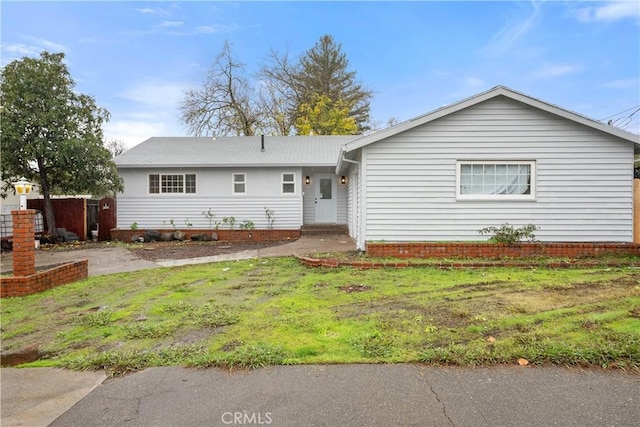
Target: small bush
142 330
373 345
96 320
508 234
252 356
211 316
247 225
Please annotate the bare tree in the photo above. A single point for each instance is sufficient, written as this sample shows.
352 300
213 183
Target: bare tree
277 118
226 104
280 77
321 72
115 147
285 90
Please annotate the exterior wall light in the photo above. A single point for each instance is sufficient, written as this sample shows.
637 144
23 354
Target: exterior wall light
343 180
23 187
307 180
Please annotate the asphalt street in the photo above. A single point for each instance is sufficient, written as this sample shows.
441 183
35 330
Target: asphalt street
363 395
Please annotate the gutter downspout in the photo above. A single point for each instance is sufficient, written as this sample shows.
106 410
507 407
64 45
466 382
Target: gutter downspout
359 207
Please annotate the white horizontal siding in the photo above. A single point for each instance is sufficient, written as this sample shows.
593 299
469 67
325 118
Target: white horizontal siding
341 194
583 177
213 191
153 212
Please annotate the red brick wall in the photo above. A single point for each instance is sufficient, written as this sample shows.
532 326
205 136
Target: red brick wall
493 250
124 235
19 286
446 264
24 251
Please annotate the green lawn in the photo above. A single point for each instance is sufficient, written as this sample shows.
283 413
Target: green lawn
274 311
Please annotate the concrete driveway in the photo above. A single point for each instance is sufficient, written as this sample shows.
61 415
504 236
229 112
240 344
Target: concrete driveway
113 259
363 395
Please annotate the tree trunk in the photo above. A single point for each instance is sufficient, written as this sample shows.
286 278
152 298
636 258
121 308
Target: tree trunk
48 207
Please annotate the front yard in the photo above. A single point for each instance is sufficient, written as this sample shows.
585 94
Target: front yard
253 313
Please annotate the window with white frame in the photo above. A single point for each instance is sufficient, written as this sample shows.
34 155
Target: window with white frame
288 183
495 180
239 183
172 183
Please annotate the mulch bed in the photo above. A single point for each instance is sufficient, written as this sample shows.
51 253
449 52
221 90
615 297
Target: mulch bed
154 251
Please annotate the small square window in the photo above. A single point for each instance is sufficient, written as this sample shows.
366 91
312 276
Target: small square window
288 183
239 183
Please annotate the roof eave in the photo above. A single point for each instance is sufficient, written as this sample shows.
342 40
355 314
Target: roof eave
225 165
484 96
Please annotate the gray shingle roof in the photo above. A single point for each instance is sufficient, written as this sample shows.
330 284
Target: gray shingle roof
234 151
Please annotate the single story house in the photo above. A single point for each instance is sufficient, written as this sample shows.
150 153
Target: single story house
183 178
496 157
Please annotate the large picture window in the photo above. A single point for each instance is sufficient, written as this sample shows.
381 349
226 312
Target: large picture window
172 183
495 180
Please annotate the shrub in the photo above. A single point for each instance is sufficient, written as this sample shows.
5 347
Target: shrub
508 234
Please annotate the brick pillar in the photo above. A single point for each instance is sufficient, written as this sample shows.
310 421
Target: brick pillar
24 251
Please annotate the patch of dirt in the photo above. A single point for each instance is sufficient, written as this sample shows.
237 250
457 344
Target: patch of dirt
354 288
29 355
154 251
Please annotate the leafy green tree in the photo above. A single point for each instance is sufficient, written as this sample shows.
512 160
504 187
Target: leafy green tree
324 70
322 116
232 103
50 134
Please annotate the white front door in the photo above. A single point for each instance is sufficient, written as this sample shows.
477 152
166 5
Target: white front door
326 202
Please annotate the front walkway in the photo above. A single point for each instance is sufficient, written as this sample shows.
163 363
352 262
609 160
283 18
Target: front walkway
108 260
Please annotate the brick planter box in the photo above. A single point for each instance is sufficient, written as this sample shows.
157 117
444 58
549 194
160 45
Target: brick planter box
19 286
494 250
125 235
524 263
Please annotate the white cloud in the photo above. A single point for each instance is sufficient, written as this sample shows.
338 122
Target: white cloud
513 30
205 29
165 24
474 82
622 83
555 70
20 49
12 51
158 95
51 46
609 11
133 132
151 110
150 11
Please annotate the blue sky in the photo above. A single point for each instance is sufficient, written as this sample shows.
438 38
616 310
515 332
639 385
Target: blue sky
138 58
